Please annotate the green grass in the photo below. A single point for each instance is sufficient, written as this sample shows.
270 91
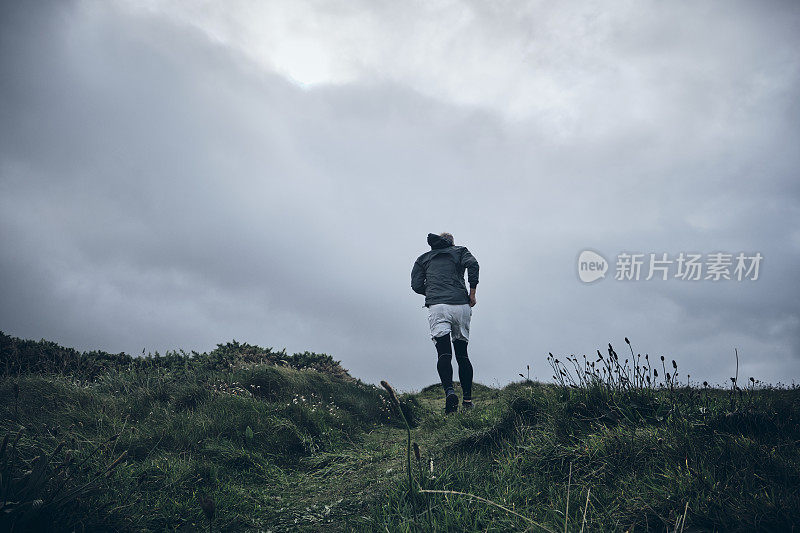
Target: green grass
293 443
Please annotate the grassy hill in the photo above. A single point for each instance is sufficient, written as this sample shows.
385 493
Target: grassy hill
277 442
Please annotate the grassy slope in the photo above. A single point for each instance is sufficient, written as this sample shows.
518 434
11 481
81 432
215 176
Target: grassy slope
737 470
327 452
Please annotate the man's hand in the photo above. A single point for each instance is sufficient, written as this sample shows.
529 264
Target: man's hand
472 300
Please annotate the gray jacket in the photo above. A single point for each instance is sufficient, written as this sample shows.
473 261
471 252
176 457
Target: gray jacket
439 274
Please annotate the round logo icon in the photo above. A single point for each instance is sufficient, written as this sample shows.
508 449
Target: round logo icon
591 266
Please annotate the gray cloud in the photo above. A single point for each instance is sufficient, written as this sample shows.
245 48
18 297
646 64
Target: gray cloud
163 190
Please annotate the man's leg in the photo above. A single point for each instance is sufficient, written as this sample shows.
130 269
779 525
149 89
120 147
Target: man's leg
444 364
464 368
445 368
440 322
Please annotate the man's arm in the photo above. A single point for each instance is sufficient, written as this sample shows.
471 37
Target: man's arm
418 278
471 264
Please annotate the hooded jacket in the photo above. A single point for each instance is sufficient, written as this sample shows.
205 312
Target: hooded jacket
439 274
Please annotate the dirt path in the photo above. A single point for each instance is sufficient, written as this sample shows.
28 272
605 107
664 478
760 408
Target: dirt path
328 487
331 490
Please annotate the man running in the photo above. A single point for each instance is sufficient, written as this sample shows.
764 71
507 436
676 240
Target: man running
439 276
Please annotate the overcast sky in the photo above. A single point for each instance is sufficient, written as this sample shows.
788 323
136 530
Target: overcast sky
179 174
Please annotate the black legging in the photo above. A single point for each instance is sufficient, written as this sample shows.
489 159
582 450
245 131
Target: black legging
445 367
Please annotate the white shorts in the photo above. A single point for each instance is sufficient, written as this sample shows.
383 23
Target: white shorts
452 319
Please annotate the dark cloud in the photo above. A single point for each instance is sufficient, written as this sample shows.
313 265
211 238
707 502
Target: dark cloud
160 190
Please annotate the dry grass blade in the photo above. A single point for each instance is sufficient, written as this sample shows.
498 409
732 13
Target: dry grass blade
683 520
585 507
566 511
116 462
490 502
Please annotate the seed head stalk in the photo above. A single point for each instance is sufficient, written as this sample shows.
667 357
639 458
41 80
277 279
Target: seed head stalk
396 403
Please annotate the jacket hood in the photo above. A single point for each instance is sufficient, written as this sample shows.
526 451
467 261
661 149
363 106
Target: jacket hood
437 242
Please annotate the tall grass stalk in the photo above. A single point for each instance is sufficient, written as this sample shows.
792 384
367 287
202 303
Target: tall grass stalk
396 403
